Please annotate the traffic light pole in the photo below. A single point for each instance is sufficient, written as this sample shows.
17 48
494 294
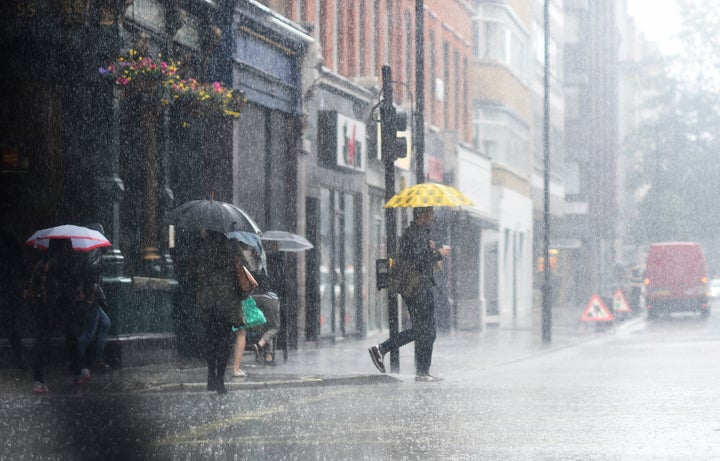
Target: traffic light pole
386 145
546 290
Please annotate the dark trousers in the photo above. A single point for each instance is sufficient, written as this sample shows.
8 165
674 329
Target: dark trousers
219 339
422 314
9 305
48 317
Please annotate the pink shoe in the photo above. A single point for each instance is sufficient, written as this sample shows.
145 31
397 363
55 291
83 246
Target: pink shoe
82 377
40 388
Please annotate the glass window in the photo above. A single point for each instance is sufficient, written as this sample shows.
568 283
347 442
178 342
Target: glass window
326 263
502 136
494 41
377 299
148 13
362 22
497 36
340 266
348 266
338 43
408 46
446 82
431 46
572 28
388 31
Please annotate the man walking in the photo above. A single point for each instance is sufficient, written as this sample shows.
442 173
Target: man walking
419 251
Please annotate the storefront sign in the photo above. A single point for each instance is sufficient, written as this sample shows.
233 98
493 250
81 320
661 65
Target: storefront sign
342 141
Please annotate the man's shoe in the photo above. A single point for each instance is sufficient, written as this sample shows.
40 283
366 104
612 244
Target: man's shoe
221 389
427 379
377 358
82 377
212 380
40 388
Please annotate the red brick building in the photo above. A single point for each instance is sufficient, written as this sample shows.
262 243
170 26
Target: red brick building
358 37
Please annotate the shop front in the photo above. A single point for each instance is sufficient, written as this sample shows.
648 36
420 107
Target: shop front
253 161
337 213
82 144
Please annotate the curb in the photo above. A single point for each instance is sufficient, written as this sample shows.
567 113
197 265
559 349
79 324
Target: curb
289 382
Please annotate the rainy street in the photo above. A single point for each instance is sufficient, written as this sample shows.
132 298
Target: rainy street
645 391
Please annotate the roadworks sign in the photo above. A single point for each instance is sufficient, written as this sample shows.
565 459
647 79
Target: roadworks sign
597 311
620 303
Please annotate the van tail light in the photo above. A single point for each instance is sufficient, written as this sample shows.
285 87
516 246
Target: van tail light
646 282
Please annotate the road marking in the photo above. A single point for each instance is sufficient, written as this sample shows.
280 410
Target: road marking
189 436
312 437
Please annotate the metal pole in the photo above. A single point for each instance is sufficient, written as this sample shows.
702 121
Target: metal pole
419 128
546 289
390 215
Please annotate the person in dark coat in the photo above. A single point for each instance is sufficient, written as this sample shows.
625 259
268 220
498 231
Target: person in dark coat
417 249
219 301
56 294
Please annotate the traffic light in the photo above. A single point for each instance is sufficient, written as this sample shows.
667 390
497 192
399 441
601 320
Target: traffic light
394 132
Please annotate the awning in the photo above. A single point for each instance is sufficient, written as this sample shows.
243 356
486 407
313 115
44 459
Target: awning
484 219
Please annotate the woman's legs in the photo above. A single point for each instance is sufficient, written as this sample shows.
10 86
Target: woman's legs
103 327
90 323
240 341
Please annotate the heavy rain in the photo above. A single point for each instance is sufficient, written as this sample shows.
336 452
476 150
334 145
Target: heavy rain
359 229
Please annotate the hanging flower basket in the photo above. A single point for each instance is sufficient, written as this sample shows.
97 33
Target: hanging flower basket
213 97
143 74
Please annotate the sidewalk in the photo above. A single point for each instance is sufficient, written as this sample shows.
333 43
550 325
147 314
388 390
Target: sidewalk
344 362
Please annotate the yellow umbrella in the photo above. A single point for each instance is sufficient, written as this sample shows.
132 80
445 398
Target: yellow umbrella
428 194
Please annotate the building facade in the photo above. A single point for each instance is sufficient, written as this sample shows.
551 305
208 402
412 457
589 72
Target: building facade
354 40
591 145
123 154
502 118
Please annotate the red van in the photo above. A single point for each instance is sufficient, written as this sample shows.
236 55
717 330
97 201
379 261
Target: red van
676 279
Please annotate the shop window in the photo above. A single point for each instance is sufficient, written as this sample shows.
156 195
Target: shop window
340 265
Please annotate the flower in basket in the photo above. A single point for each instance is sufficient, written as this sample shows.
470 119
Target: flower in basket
213 96
133 67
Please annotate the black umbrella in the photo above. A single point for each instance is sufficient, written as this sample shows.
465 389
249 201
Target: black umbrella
212 215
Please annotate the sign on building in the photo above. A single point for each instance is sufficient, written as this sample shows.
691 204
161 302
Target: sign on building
342 141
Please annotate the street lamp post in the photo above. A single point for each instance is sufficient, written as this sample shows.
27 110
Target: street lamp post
546 290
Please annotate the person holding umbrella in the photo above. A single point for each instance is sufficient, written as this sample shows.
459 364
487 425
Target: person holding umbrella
56 292
56 287
419 251
217 259
219 299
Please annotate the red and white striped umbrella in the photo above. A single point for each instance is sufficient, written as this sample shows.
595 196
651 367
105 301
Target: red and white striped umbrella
81 238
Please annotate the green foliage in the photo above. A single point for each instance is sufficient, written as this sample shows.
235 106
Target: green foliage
676 152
